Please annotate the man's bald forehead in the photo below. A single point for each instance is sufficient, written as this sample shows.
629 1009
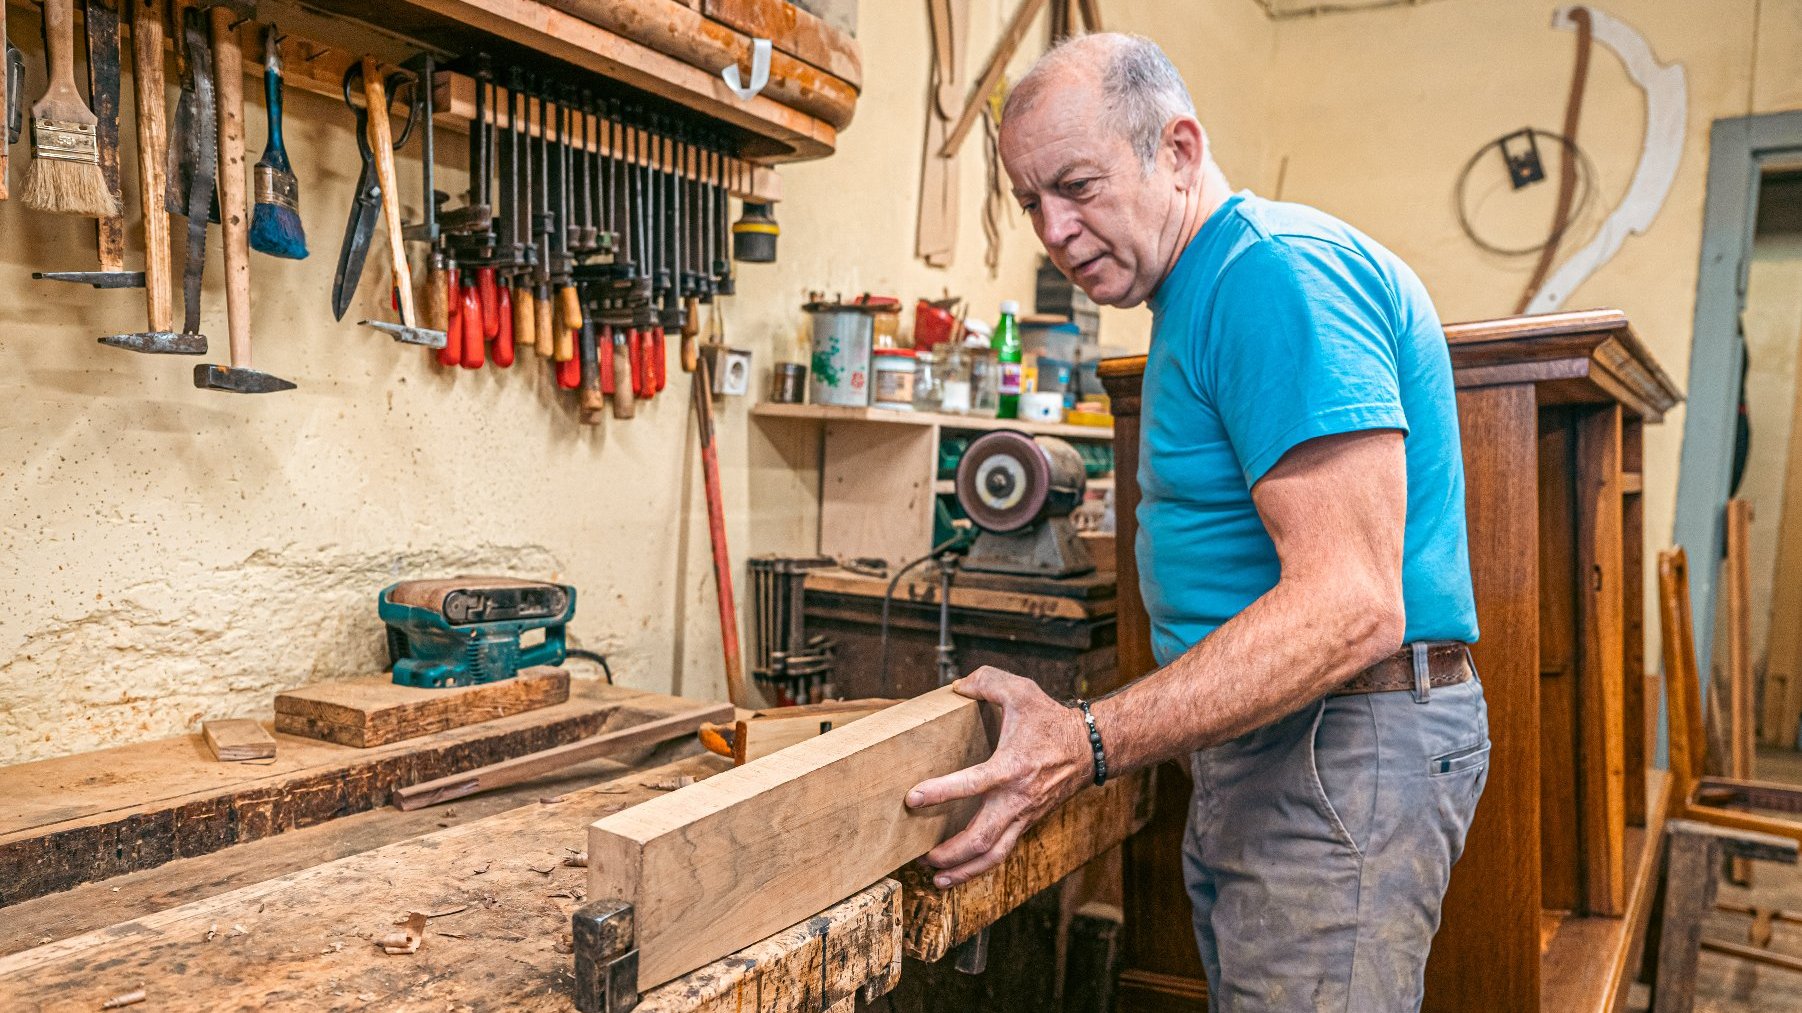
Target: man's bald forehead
1129 78
1080 60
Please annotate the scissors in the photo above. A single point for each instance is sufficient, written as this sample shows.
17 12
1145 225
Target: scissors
366 207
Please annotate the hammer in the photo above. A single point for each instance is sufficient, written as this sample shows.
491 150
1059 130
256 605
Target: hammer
381 142
153 142
234 218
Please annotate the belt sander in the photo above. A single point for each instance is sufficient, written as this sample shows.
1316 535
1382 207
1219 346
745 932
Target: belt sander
463 631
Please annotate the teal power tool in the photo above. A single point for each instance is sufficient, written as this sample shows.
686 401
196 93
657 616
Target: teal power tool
464 631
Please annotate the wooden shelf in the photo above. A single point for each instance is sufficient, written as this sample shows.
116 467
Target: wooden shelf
833 413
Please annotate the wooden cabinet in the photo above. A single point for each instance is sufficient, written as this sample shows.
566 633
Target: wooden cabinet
1548 906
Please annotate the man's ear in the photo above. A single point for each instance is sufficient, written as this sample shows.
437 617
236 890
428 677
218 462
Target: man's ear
1186 144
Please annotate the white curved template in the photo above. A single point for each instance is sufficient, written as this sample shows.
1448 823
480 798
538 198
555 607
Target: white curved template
1667 110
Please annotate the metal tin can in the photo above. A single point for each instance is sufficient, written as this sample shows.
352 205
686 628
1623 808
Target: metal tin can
841 355
788 383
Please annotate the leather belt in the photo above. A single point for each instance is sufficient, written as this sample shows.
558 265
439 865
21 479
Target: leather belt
1448 664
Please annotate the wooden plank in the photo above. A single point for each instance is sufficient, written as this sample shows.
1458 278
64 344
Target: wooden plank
795 32
1783 646
1638 720
1738 613
1560 786
876 493
375 711
1682 691
1601 746
233 739
80 818
926 591
303 940
783 133
709 46
1081 829
1488 941
524 768
715 866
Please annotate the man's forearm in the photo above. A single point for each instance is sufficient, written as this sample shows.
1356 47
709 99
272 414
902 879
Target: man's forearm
1285 649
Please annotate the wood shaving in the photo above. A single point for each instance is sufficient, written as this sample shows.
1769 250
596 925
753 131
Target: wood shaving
551 800
670 784
407 940
565 944
239 930
431 914
211 931
547 870
483 870
454 935
579 860
131 998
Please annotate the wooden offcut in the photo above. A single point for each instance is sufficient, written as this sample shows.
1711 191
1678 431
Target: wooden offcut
233 739
725 862
524 768
375 711
766 732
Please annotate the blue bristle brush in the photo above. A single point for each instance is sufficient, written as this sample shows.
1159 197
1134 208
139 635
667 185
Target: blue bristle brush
275 226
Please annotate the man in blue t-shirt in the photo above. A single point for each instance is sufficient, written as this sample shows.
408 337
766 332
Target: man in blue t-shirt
1301 554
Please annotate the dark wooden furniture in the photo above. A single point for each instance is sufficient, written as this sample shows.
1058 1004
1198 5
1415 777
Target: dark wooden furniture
1063 641
1548 906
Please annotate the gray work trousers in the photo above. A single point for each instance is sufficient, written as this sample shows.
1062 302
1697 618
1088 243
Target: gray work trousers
1319 848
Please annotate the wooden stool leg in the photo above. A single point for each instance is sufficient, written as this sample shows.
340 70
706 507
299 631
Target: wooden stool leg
1692 862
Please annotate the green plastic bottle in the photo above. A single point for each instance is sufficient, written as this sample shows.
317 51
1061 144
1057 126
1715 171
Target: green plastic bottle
1007 359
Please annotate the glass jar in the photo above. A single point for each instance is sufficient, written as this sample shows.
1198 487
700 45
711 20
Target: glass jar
929 377
892 379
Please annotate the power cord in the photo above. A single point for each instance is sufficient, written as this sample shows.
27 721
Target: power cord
888 596
594 656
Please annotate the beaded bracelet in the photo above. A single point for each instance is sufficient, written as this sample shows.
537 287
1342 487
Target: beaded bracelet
1094 743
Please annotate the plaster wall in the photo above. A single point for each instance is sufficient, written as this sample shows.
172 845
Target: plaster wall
172 554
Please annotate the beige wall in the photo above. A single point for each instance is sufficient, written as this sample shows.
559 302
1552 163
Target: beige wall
173 554
1374 114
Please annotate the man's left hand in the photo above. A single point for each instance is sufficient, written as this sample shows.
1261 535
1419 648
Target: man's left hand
1041 758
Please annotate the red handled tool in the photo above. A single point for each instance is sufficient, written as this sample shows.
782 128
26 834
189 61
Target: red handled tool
452 352
503 342
490 303
569 371
604 358
471 320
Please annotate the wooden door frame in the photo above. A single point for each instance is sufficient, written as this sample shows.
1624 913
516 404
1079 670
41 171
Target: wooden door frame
1738 150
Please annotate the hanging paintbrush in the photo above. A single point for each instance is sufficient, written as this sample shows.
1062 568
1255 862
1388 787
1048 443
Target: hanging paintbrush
65 176
275 226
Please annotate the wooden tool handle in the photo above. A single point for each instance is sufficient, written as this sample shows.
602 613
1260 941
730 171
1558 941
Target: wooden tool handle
624 405
691 328
381 143
233 209
153 144
60 100
437 296
525 319
569 317
544 336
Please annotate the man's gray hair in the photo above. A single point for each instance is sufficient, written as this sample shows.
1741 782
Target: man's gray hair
1140 86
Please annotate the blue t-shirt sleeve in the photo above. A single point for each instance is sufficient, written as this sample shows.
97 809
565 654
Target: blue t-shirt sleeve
1299 346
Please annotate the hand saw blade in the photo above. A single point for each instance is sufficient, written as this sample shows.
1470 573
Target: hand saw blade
202 156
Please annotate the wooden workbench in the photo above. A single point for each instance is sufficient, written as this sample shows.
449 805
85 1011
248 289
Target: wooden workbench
290 918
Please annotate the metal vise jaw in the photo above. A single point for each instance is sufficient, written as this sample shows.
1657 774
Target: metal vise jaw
605 937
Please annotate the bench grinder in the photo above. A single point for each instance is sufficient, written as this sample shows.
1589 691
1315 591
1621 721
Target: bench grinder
1019 491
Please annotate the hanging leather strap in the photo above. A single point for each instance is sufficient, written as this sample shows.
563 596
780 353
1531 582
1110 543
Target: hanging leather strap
1567 165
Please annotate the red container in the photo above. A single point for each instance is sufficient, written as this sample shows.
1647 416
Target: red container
932 325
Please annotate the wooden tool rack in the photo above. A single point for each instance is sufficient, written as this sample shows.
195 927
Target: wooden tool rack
153 866
667 52
1548 906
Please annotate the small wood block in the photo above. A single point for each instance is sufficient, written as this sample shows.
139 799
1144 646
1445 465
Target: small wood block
238 739
375 712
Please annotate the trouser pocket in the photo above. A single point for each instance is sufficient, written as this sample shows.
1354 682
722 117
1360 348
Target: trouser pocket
1459 759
